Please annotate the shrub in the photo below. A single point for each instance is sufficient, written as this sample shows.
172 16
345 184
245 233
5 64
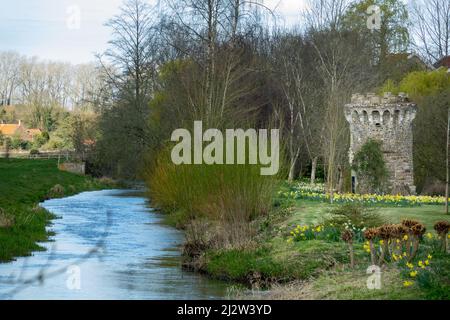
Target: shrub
232 194
6 221
442 228
197 238
355 214
370 167
16 143
40 140
34 152
56 191
228 192
107 181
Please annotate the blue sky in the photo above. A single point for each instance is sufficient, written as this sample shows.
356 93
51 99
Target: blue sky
43 28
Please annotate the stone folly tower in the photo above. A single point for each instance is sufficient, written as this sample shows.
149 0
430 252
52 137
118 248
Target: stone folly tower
387 119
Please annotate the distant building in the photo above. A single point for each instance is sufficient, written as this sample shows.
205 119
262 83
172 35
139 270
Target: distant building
443 63
18 129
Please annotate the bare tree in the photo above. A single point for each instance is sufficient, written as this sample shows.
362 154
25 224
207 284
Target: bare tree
9 75
132 50
432 28
211 31
297 81
324 14
130 64
343 70
86 88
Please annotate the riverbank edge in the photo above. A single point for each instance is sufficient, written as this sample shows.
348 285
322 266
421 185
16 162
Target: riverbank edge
27 238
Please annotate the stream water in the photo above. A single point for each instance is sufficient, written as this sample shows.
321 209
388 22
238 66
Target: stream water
107 245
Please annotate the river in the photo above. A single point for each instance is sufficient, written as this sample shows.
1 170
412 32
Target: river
107 245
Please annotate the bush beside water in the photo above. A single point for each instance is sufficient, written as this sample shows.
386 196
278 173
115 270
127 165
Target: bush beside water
232 195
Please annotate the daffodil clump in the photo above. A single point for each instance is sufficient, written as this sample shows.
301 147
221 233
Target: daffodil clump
415 269
397 250
317 192
327 231
399 244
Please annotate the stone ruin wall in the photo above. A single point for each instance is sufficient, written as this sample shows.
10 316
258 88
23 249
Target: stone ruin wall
387 119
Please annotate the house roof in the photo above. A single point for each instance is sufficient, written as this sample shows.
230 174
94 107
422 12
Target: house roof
9 129
444 62
89 142
12 129
34 132
411 58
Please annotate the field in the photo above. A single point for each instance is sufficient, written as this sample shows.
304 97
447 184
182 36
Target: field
23 184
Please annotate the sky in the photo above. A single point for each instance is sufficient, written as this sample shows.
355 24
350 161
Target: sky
73 30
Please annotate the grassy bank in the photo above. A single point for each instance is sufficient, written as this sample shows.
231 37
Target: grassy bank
318 268
23 184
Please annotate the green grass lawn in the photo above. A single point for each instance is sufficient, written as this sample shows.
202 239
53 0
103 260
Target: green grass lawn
23 184
313 212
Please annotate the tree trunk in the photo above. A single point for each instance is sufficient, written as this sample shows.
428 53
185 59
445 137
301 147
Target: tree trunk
293 165
352 255
372 253
291 171
341 179
313 170
447 177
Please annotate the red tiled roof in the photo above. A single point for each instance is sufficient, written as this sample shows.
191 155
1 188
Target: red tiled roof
13 129
9 129
444 62
34 132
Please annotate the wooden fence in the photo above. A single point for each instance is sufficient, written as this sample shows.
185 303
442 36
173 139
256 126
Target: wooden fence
64 155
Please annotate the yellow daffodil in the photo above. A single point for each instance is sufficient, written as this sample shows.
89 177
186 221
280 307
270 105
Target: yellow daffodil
407 283
317 192
427 262
409 265
413 274
429 235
